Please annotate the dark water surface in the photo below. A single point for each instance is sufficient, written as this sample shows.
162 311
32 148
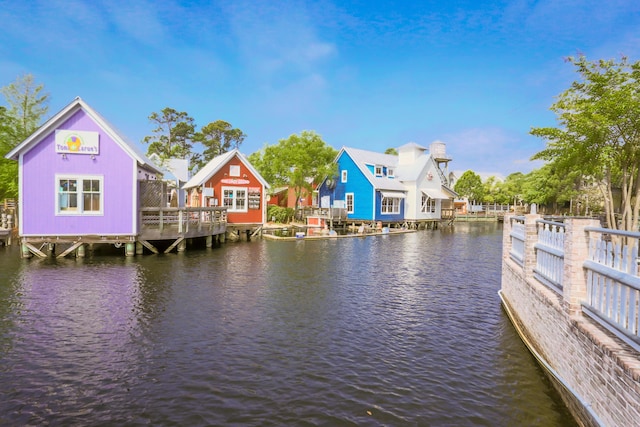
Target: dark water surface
389 330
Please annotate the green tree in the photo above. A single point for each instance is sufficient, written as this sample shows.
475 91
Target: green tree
27 105
599 134
513 187
173 136
491 190
470 186
217 138
391 151
298 161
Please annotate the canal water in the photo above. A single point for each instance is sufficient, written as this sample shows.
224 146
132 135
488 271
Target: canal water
393 330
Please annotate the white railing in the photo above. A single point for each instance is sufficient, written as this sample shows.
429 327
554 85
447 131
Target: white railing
613 285
517 239
549 268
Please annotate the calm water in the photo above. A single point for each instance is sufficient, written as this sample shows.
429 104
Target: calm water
391 330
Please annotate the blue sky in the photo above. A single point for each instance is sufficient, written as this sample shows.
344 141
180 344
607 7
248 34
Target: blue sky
474 74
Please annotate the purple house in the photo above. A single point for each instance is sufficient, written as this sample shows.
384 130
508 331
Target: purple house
78 182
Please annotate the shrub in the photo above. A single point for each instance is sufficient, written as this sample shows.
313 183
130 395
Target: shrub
279 214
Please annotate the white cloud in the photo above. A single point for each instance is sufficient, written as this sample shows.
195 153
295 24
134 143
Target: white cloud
488 150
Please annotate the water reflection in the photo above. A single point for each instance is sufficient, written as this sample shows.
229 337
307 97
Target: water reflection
387 330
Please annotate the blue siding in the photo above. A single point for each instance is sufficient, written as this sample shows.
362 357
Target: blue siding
357 184
388 217
367 202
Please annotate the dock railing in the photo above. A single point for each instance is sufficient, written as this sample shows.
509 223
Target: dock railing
593 270
182 220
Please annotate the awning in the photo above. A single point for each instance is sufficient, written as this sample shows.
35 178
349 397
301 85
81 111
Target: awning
435 194
393 194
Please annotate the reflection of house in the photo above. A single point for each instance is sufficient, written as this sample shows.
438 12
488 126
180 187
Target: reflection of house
230 181
381 187
78 180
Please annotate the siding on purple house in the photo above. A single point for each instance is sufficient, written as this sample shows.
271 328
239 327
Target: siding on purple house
116 166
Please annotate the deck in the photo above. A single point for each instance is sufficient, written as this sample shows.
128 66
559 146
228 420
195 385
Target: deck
169 225
173 223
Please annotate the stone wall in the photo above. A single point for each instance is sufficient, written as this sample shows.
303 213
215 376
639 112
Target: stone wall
597 374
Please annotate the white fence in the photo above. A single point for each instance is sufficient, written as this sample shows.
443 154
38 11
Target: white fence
613 285
612 294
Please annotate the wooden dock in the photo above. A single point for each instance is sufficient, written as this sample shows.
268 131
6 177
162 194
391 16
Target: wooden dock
158 227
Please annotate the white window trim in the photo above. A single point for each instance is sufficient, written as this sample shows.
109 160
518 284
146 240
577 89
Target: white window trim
428 203
394 212
234 170
343 176
235 189
80 211
353 202
390 172
378 170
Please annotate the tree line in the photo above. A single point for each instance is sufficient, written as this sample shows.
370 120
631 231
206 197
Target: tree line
592 156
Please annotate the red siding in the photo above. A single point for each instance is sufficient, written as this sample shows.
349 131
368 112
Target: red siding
246 180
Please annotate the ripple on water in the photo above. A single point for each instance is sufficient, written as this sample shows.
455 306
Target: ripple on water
394 330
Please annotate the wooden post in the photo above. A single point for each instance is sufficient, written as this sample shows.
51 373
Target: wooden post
80 251
139 248
129 249
182 246
209 241
26 253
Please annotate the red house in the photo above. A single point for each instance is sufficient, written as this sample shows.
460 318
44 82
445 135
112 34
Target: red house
230 181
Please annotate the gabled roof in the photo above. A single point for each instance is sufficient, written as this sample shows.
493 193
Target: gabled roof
216 164
63 115
362 158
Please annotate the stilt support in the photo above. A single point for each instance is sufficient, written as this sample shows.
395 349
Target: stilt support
174 244
71 248
148 246
33 250
129 249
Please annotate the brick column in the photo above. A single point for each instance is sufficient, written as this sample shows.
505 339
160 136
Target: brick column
530 239
576 250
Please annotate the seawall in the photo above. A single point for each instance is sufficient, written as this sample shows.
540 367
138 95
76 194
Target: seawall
597 374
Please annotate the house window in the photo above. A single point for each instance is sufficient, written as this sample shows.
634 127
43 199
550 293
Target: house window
349 202
234 170
234 199
79 195
378 170
390 205
343 176
390 172
428 204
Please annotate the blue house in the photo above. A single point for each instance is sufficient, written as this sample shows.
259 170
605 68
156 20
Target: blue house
371 186
366 186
